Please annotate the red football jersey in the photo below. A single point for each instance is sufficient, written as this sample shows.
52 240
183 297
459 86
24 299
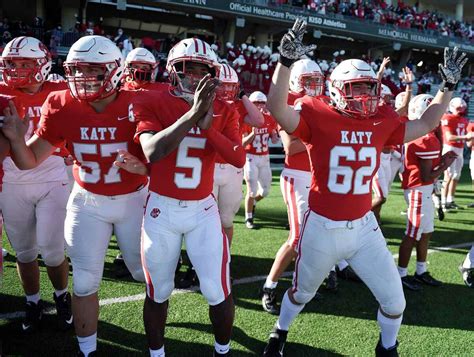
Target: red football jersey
239 106
455 125
344 154
157 86
93 140
298 161
32 104
259 145
427 147
187 173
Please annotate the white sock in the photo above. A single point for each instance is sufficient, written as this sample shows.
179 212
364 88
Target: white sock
388 329
35 298
435 200
443 200
342 265
60 292
221 349
158 353
288 313
402 271
449 199
248 215
420 267
269 284
87 344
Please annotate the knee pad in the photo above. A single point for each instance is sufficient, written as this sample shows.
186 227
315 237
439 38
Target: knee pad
303 297
53 257
227 218
212 292
27 256
394 306
85 282
162 292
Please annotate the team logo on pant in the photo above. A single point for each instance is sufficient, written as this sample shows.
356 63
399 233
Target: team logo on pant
155 212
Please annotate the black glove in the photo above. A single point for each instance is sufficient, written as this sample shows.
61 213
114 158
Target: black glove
451 70
291 45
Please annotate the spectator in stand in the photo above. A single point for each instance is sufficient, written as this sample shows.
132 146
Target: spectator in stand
120 37
128 46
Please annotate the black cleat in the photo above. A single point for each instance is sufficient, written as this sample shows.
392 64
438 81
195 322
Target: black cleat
34 313
269 301
467 276
276 343
427 279
63 311
452 205
348 274
249 223
331 281
119 259
440 213
380 351
410 283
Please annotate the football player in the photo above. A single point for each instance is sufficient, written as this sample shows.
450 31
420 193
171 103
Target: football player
141 69
423 164
33 202
181 131
454 126
306 78
383 178
257 171
92 117
344 139
227 178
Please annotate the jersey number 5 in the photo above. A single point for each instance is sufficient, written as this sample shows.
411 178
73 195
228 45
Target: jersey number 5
183 160
344 179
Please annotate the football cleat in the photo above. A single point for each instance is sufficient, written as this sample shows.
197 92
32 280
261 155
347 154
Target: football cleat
348 274
411 284
467 276
427 279
331 281
440 213
4 253
249 223
276 343
452 205
380 351
269 301
34 313
63 310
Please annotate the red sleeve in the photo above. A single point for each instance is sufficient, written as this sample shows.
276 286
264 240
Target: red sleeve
425 149
303 130
228 143
141 111
246 129
48 128
398 135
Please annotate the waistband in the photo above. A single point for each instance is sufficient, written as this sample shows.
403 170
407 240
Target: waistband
331 224
179 203
83 191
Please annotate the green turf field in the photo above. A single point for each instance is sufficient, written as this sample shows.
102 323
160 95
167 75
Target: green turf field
437 321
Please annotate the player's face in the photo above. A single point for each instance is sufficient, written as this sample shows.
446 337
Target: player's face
363 97
20 72
227 91
312 85
192 75
141 72
88 78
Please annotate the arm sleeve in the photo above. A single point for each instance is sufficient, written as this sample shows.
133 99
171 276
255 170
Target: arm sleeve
425 150
228 143
142 113
303 130
48 128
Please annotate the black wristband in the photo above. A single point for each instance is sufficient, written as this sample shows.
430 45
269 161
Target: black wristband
287 62
445 85
241 94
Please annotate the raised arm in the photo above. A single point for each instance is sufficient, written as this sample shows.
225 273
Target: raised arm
385 61
291 50
25 155
408 79
254 116
157 145
450 72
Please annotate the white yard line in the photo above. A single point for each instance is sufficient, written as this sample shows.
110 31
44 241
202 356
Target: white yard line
248 280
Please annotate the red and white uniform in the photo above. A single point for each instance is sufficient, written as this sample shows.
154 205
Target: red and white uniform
455 125
33 202
105 199
181 202
257 171
396 161
470 129
344 154
420 216
381 182
295 180
228 179
133 86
